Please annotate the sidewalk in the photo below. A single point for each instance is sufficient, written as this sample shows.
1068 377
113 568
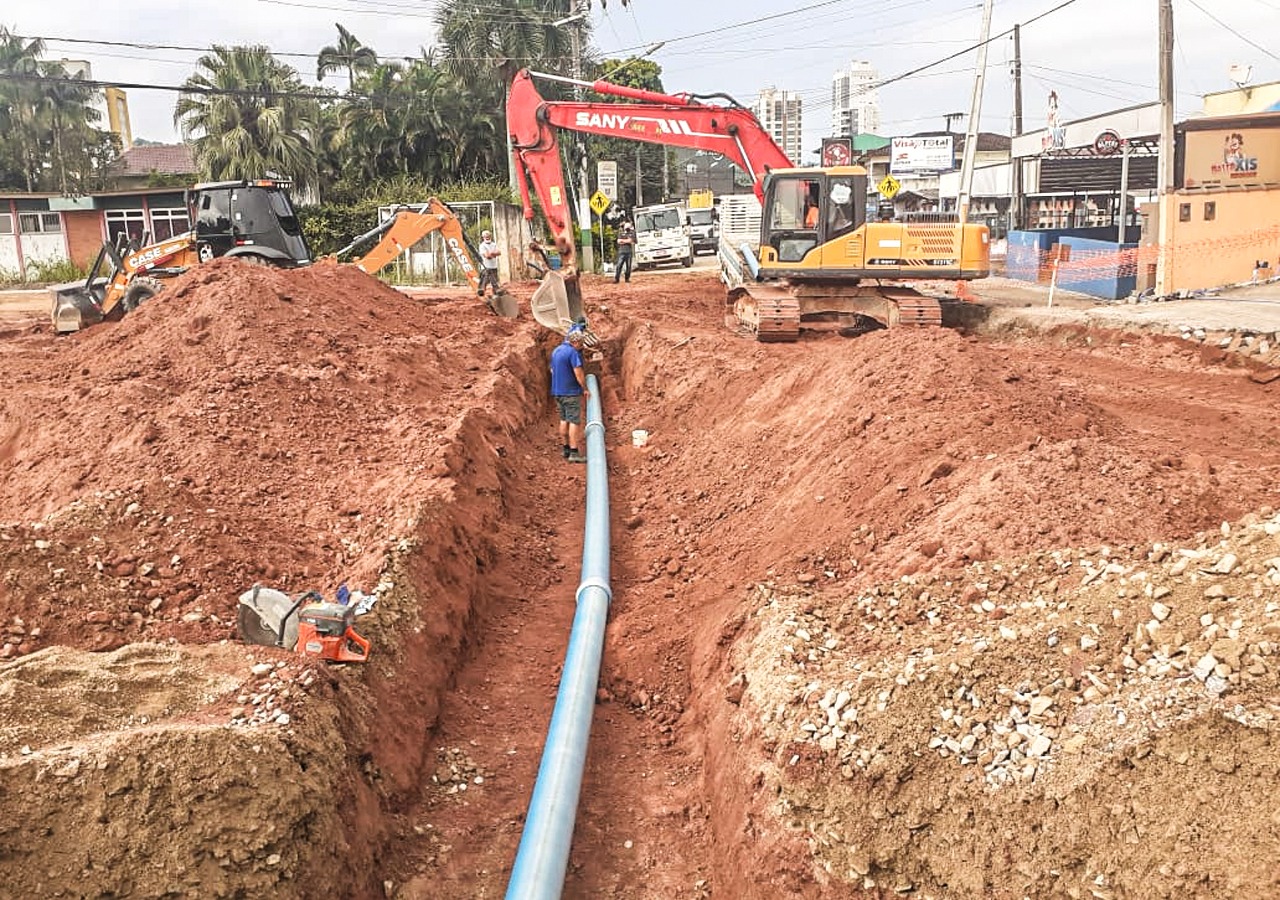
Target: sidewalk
1254 309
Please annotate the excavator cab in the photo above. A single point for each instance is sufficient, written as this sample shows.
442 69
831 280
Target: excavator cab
807 209
247 218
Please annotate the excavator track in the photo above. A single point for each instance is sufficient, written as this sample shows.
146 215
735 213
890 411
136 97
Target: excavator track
778 313
771 313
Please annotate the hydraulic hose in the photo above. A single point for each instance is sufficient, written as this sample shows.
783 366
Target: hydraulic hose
543 855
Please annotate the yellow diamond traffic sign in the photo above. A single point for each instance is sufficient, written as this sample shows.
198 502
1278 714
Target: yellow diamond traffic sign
888 187
599 203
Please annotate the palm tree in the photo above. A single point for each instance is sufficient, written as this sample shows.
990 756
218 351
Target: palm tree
243 110
20 97
350 54
372 132
491 47
65 108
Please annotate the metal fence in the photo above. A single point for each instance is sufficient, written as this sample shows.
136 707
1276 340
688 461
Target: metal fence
428 261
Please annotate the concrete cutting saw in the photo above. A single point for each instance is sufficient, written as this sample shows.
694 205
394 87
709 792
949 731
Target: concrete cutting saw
306 624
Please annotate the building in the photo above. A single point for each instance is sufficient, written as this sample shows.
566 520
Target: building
111 104
855 102
780 114
143 166
46 228
929 182
1092 214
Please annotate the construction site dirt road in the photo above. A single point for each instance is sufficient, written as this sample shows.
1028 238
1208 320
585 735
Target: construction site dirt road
990 610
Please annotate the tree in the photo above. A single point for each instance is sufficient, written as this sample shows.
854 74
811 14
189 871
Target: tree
493 45
19 99
244 111
65 107
349 54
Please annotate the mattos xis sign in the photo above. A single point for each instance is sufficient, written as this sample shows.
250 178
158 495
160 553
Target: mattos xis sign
921 154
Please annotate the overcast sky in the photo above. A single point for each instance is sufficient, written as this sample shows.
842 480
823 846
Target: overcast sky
1098 55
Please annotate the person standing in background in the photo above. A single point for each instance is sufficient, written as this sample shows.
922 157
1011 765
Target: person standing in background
626 247
489 253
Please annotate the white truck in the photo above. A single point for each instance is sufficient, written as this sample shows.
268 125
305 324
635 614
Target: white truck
704 229
662 236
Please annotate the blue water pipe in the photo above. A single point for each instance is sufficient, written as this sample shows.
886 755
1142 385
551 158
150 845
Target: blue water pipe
543 855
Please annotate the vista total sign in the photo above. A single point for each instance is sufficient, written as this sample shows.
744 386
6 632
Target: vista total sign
922 154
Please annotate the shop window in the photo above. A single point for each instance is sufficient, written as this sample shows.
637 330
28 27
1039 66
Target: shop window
1210 211
1184 212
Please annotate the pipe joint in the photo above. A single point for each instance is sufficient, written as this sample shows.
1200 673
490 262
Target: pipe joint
588 583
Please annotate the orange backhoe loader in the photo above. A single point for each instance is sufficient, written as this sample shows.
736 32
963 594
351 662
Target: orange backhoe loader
249 220
817 261
409 224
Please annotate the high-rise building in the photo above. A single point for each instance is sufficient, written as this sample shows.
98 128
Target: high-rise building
855 101
779 113
111 103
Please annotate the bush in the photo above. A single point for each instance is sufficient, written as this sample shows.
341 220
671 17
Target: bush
42 271
52 271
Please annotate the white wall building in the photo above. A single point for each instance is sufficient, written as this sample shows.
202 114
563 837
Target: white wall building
855 102
780 114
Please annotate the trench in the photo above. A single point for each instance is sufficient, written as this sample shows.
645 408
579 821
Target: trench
641 825
675 799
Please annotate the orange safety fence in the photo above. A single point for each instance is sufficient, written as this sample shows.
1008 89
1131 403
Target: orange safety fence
1081 264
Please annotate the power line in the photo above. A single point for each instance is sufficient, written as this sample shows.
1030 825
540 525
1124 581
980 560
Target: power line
1251 43
182 89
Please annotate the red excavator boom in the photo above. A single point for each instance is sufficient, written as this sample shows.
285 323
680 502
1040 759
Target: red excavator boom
678 120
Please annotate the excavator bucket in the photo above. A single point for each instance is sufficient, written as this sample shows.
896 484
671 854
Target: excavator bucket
557 303
268 617
73 308
504 305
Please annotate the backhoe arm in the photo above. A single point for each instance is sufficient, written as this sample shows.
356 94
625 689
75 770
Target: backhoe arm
406 228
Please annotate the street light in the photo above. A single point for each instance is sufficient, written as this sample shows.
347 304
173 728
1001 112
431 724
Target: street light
576 17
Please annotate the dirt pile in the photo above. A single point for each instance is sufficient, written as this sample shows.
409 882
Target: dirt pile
1076 724
946 679
298 429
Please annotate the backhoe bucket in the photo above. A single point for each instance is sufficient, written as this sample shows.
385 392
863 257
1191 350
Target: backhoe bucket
262 613
557 303
504 305
73 309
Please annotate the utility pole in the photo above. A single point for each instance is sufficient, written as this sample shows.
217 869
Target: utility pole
1164 180
975 115
584 188
1015 205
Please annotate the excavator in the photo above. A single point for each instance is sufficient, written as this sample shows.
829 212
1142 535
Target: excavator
817 261
409 224
250 220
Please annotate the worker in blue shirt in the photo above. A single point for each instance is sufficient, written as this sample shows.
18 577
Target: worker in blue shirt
569 388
